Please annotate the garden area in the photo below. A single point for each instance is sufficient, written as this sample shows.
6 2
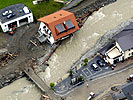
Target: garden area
39 10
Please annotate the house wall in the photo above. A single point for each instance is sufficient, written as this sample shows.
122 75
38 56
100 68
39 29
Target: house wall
128 53
5 27
112 60
109 60
42 31
118 46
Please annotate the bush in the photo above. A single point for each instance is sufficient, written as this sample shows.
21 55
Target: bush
84 64
70 73
80 78
52 86
85 60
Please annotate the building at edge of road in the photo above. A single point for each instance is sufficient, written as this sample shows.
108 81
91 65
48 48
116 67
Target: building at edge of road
57 26
15 16
122 48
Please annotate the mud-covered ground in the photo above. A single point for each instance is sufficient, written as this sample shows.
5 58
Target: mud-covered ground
24 52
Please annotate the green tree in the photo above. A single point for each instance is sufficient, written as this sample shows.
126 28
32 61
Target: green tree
70 72
52 86
84 64
80 78
85 60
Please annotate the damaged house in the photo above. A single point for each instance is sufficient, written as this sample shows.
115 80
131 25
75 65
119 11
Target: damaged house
57 26
15 16
122 48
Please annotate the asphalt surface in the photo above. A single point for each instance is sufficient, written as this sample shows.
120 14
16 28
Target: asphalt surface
87 72
100 86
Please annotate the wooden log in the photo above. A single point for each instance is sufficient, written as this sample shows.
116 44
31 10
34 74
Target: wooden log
33 43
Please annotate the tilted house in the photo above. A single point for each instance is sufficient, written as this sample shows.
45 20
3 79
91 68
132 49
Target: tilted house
57 26
15 16
122 48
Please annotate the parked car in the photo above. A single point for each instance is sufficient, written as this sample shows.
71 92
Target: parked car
91 95
101 63
10 16
130 78
7 12
94 66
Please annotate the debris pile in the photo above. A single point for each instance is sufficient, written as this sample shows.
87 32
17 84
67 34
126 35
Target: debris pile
6 58
45 97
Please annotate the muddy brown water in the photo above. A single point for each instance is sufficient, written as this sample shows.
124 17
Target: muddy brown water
71 49
98 24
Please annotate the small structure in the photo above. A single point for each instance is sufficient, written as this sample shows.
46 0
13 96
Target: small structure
122 48
15 16
57 26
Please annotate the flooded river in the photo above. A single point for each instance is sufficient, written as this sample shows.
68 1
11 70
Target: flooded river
98 24
20 90
71 49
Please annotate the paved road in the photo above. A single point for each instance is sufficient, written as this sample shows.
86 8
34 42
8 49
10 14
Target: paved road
100 85
86 71
89 74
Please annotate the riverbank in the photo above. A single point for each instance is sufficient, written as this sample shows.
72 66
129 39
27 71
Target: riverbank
23 49
106 20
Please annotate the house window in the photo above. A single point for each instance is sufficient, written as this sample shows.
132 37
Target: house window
44 27
69 25
60 28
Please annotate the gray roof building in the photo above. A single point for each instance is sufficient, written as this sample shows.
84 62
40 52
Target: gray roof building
16 9
125 38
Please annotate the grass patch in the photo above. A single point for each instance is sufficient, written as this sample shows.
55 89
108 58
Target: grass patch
39 10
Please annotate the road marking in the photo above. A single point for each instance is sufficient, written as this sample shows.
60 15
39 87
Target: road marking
110 73
88 72
95 72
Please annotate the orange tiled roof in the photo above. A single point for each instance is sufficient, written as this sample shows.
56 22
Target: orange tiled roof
59 17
